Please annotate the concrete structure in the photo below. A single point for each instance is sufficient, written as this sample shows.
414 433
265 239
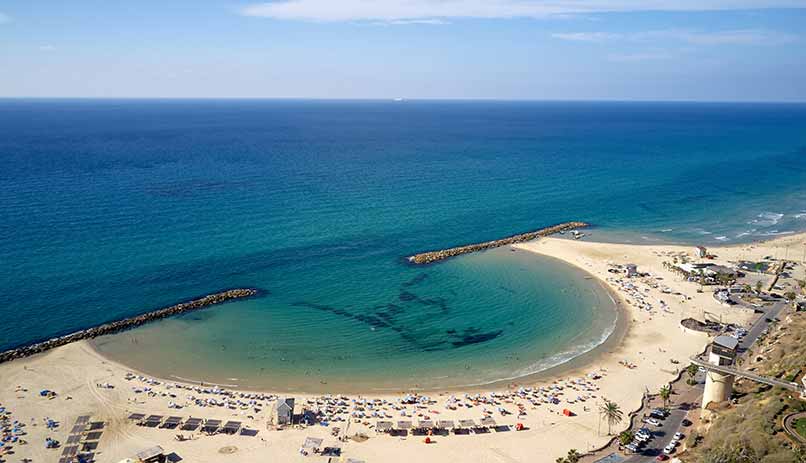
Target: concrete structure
283 411
152 455
631 270
718 385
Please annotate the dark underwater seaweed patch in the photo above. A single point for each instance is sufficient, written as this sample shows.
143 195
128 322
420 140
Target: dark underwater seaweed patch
418 279
469 339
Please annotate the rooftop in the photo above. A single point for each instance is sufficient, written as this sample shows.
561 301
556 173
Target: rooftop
728 342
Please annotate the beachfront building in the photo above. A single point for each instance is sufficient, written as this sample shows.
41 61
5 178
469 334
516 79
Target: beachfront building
152 455
719 386
283 411
631 270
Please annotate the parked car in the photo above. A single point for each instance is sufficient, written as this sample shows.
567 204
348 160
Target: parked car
679 436
662 457
652 421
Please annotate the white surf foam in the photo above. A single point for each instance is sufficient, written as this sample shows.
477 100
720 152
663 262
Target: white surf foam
767 219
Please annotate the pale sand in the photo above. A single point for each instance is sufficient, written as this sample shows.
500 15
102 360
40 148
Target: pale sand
651 341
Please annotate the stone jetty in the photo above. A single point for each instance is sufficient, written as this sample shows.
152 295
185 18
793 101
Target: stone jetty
127 323
434 256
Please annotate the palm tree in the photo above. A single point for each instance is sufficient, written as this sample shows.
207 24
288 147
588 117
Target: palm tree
692 372
759 285
666 394
790 296
612 413
626 437
802 285
573 456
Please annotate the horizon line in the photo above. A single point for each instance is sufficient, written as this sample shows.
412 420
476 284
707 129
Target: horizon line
397 99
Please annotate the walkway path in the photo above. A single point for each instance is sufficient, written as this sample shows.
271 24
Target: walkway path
789 426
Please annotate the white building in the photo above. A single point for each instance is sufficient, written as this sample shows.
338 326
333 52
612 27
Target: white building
719 386
630 270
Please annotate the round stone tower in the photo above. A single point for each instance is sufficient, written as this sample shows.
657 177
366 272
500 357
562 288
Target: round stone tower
719 386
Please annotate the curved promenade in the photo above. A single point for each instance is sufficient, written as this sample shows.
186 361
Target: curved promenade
127 323
434 256
789 426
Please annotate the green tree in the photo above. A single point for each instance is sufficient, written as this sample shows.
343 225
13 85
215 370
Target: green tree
802 285
735 454
611 412
790 296
666 394
573 456
759 285
626 437
692 372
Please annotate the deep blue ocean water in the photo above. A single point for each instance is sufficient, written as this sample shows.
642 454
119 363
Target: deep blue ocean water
110 208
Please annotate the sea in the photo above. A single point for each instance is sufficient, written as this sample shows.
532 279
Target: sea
111 208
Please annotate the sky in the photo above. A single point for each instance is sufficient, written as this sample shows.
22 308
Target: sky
705 50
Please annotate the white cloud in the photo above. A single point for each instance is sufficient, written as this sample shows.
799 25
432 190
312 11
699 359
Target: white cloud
585 36
418 21
726 37
637 57
405 10
407 22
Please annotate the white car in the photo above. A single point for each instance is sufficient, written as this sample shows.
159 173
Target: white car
652 421
669 449
679 436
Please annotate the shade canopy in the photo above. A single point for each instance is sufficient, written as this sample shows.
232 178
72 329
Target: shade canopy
312 443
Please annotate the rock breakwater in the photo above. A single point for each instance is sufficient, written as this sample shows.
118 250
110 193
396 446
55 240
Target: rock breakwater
127 323
434 256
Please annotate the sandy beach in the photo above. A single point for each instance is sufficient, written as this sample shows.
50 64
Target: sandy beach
645 354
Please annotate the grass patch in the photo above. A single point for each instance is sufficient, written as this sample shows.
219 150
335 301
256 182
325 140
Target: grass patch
800 427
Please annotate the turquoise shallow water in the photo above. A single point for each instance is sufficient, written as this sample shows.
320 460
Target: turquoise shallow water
111 208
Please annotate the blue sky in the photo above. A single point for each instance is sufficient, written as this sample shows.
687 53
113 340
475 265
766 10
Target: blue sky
506 49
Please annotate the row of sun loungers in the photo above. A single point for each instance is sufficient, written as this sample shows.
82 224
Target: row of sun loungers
191 424
442 425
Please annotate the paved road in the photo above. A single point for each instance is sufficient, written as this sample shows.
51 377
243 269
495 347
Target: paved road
770 312
673 423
